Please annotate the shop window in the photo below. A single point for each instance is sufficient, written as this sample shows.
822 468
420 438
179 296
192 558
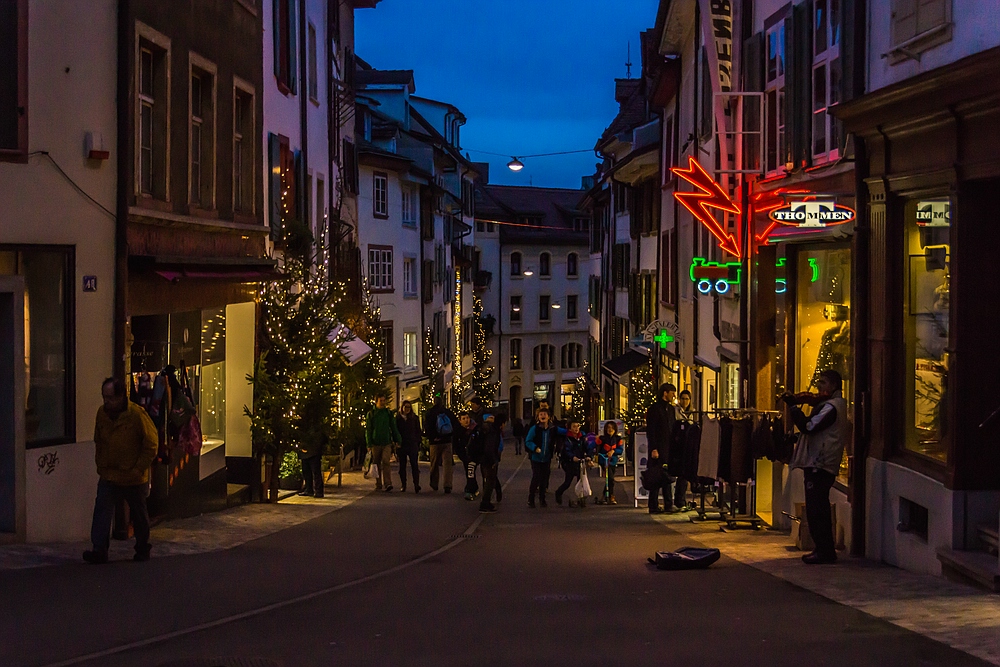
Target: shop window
49 409
927 325
823 322
730 397
566 392
212 402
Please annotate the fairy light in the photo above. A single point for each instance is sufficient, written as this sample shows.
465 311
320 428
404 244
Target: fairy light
483 388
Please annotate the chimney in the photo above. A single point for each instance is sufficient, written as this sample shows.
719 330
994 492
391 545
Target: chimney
624 89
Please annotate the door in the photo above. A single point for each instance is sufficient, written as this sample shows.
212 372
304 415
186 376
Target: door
12 406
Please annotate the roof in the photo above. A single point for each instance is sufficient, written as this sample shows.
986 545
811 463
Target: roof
631 109
376 77
556 207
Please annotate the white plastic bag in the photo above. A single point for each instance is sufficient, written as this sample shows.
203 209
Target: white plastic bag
582 487
372 472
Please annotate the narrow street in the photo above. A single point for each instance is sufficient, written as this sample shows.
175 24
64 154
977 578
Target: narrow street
427 580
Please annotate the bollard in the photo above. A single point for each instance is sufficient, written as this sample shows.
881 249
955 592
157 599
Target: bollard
340 467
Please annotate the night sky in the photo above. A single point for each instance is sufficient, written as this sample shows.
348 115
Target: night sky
531 76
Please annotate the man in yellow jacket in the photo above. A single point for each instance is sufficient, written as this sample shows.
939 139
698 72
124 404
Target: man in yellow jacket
125 445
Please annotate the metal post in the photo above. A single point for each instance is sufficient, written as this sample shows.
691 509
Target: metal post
340 467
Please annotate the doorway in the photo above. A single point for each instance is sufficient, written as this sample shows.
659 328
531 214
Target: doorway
12 404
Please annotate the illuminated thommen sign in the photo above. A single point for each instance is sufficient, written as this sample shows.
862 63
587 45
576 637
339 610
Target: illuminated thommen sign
813 213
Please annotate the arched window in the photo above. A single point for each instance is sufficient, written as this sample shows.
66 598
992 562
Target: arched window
545 264
545 357
515 263
515 353
571 265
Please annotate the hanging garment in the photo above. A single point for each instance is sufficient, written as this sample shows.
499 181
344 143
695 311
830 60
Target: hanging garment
678 443
724 467
741 458
692 451
762 443
784 443
708 461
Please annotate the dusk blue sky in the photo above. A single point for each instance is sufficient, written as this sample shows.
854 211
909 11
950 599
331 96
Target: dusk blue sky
531 76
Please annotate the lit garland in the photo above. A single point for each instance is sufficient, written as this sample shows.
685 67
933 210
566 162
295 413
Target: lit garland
432 368
485 390
643 394
458 384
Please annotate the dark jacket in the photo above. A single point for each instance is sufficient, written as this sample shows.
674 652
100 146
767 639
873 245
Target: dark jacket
660 420
541 442
431 429
492 443
468 443
409 430
574 447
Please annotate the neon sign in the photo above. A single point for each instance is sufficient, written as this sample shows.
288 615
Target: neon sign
709 195
721 277
781 283
812 213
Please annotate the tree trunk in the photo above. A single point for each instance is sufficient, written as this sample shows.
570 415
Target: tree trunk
272 486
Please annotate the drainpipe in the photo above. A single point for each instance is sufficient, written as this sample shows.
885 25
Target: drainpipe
303 109
125 58
331 55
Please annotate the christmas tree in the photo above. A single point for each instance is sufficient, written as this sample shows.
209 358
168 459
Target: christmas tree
484 388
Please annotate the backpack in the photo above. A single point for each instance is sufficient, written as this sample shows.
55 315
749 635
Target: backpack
443 424
685 558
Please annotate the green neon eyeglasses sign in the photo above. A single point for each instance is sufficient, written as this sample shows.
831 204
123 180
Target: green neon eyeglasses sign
720 277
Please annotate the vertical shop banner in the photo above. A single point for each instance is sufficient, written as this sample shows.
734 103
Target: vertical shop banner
641 448
717 23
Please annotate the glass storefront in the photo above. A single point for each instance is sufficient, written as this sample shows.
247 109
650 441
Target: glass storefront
823 321
926 324
48 345
213 376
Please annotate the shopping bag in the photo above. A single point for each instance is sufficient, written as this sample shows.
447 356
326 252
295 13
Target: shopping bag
372 472
582 487
366 466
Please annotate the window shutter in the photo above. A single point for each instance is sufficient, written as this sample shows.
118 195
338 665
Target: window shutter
274 191
293 47
276 30
798 83
905 24
300 194
753 81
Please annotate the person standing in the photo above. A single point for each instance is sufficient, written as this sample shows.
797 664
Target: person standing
381 434
822 437
676 464
125 443
492 430
409 449
610 449
660 420
540 445
439 427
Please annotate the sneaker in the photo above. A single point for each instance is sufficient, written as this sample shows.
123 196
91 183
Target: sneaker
388 488
499 494
318 494
142 555
483 509
531 503
600 501
819 559
305 492
655 510
469 496
402 489
541 501
416 488
612 501
96 557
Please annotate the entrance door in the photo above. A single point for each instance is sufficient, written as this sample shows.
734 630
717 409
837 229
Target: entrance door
515 402
11 405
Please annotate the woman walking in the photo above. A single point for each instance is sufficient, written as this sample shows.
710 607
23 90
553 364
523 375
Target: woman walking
409 430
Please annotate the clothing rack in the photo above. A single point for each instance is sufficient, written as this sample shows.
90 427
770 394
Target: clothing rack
729 512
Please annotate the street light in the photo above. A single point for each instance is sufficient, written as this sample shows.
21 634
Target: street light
515 164
528 272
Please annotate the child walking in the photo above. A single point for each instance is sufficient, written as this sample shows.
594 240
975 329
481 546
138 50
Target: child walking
610 449
572 458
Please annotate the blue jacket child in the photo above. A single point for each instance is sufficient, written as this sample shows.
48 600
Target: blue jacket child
540 444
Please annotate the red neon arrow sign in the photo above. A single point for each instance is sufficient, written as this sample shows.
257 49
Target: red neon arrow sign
710 196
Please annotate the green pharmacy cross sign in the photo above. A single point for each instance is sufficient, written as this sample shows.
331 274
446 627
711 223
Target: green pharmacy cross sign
663 338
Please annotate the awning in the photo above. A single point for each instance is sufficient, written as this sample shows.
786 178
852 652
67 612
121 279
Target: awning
623 364
353 348
178 268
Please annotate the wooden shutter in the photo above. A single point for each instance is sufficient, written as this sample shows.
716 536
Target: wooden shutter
276 35
904 19
274 185
293 48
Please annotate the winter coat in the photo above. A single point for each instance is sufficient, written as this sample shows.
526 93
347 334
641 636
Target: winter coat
610 448
430 425
540 442
409 430
380 428
575 446
468 443
125 446
660 419
492 444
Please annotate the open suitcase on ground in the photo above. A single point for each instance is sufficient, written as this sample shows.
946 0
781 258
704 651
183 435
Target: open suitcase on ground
685 558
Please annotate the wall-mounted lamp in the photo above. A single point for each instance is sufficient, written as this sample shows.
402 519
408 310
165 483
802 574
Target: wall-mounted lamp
528 272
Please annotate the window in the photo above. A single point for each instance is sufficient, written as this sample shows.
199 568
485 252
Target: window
515 264
285 49
545 264
427 281
571 265
313 66
919 25
410 349
571 311
380 268
411 212
826 79
410 277
545 357
49 279
467 328
926 325
572 356
515 308
776 153
152 104
543 308
515 354
243 150
380 198
386 344
201 134
13 76
581 224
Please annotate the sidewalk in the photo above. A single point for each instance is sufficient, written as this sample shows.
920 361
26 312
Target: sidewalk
957 615
205 533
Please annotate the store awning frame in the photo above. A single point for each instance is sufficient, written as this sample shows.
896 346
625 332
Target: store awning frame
623 364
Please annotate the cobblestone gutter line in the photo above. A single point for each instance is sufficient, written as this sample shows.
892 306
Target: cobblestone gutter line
959 616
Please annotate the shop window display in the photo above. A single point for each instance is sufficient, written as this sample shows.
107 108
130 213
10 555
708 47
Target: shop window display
823 323
213 377
926 325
